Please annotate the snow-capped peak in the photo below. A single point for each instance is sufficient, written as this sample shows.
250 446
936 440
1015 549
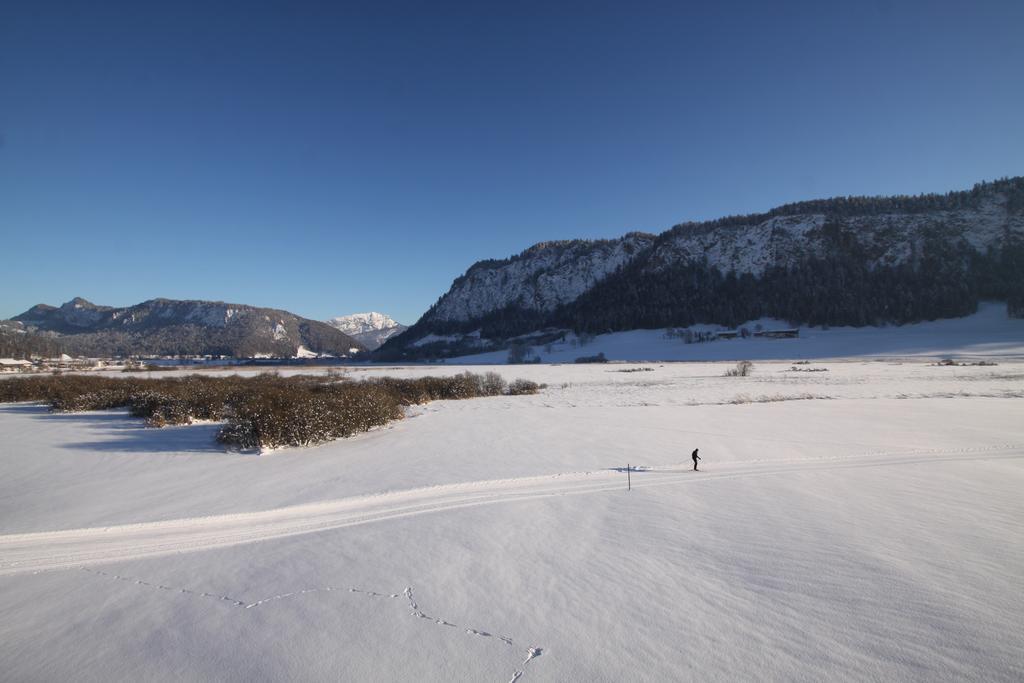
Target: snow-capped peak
372 329
358 323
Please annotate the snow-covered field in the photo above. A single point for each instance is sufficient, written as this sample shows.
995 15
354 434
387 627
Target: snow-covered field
860 523
989 333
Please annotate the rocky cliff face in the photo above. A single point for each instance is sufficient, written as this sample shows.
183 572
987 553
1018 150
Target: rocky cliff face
541 278
170 327
899 239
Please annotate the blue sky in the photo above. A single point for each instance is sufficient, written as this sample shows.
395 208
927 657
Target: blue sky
329 158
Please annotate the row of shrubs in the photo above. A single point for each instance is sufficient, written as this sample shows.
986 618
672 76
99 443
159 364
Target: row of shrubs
265 411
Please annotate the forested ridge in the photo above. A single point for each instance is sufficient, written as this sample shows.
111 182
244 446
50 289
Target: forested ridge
841 282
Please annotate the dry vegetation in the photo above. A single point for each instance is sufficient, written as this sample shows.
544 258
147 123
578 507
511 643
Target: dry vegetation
265 411
742 369
949 362
743 399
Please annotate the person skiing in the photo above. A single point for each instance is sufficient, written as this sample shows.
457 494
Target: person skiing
695 458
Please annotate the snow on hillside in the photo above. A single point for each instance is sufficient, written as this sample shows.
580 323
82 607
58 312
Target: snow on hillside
542 278
872 535
989 332
165 327
303 352
890 238
370 329
554 273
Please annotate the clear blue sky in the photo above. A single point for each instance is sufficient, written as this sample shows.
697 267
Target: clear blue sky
335 157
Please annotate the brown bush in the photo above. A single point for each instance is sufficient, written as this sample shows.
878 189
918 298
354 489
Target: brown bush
294 415
161 408
521 387
742 369
265 411
19 389
455 387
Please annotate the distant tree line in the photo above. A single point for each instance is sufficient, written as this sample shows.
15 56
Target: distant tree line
25 346
841 207
840 289
941 281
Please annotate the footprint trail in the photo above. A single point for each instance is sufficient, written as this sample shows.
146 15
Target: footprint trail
531 653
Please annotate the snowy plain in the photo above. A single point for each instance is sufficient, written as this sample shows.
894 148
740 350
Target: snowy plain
988 333
860 522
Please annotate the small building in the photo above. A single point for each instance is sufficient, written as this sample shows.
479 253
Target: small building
13 364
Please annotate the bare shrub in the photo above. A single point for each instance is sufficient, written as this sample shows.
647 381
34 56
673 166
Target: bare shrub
265 411
20 389
521 387
491 384
160 409
742 399
742 369
286 415
416 391
949 362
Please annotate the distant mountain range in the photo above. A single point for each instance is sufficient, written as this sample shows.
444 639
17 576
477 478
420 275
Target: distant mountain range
843 261
162 327
371 329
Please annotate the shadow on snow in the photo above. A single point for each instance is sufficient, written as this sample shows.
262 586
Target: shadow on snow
118 432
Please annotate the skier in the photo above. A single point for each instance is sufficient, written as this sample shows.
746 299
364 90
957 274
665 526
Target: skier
695 458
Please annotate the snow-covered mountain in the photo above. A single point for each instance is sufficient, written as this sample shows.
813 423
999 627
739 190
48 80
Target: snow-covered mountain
541 278
841 261
371 329
170 327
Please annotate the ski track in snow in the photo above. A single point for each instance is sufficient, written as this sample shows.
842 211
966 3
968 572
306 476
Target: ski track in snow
530 653
54 550
82 549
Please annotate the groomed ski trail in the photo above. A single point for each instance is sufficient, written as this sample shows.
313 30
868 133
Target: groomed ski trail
54 550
